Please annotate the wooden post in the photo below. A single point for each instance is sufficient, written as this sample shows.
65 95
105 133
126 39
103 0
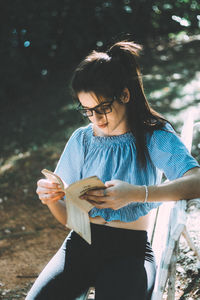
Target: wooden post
172 273
190 243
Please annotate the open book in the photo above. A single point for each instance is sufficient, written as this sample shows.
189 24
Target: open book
77 209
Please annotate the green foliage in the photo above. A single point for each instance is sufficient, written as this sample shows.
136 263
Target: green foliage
42 41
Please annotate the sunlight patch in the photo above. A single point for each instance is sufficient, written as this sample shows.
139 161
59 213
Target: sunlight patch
10 162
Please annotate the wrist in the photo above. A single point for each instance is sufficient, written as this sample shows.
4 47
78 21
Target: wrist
56 203
139 194
143 194
146 193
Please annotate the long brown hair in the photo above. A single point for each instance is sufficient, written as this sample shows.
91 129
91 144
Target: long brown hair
107 74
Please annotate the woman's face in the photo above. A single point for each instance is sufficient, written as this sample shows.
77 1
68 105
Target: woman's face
112 123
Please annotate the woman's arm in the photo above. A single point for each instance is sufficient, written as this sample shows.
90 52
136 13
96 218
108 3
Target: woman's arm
58 210
187 187
120 193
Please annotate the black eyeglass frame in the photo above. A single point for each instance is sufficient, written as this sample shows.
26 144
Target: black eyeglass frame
106 107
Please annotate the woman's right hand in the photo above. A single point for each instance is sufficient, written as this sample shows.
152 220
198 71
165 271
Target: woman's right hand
48 191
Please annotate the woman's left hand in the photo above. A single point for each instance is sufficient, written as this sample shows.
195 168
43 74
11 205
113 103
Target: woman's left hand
117 194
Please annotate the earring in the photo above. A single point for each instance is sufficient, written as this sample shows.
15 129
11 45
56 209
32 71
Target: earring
124 98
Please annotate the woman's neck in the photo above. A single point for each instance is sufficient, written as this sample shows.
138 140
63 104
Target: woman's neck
98 132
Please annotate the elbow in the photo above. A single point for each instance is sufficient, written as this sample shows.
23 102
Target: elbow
194 186
191 184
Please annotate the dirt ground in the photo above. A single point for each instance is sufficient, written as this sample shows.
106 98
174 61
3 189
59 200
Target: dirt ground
25 248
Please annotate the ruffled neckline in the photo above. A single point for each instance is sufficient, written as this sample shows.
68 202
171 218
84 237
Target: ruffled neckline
128 136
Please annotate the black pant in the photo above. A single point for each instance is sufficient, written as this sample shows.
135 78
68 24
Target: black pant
119 263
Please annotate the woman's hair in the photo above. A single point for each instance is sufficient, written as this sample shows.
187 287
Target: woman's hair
107 74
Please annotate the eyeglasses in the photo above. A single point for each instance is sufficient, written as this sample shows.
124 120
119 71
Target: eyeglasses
102 109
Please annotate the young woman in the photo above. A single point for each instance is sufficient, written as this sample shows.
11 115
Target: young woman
128 145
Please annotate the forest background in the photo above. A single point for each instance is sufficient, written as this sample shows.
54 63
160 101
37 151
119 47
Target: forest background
41 43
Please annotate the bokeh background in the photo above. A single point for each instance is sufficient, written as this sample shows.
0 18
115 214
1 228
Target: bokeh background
41 44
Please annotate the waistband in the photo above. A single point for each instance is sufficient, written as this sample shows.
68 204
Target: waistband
115 231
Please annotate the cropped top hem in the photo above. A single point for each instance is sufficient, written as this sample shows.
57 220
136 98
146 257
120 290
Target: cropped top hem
127 214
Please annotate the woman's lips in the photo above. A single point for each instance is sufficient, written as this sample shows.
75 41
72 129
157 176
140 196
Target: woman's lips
102 125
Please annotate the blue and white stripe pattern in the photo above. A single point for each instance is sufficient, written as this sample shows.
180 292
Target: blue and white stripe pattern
114 157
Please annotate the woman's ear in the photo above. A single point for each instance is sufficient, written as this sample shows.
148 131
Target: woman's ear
125 96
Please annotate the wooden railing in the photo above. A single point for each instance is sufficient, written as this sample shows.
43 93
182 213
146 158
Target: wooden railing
168 225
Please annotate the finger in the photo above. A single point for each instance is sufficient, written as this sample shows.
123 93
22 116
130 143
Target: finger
51 196
110 183
96 193
99 205
47 184
95 203
41 190
93 198
46 199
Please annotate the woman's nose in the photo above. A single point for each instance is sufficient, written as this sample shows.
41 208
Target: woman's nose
97 117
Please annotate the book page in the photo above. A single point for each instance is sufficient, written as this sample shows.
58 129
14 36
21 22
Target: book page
77 209
78 220
54 178
80 187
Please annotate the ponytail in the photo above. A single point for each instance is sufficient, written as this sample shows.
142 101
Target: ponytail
124 47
